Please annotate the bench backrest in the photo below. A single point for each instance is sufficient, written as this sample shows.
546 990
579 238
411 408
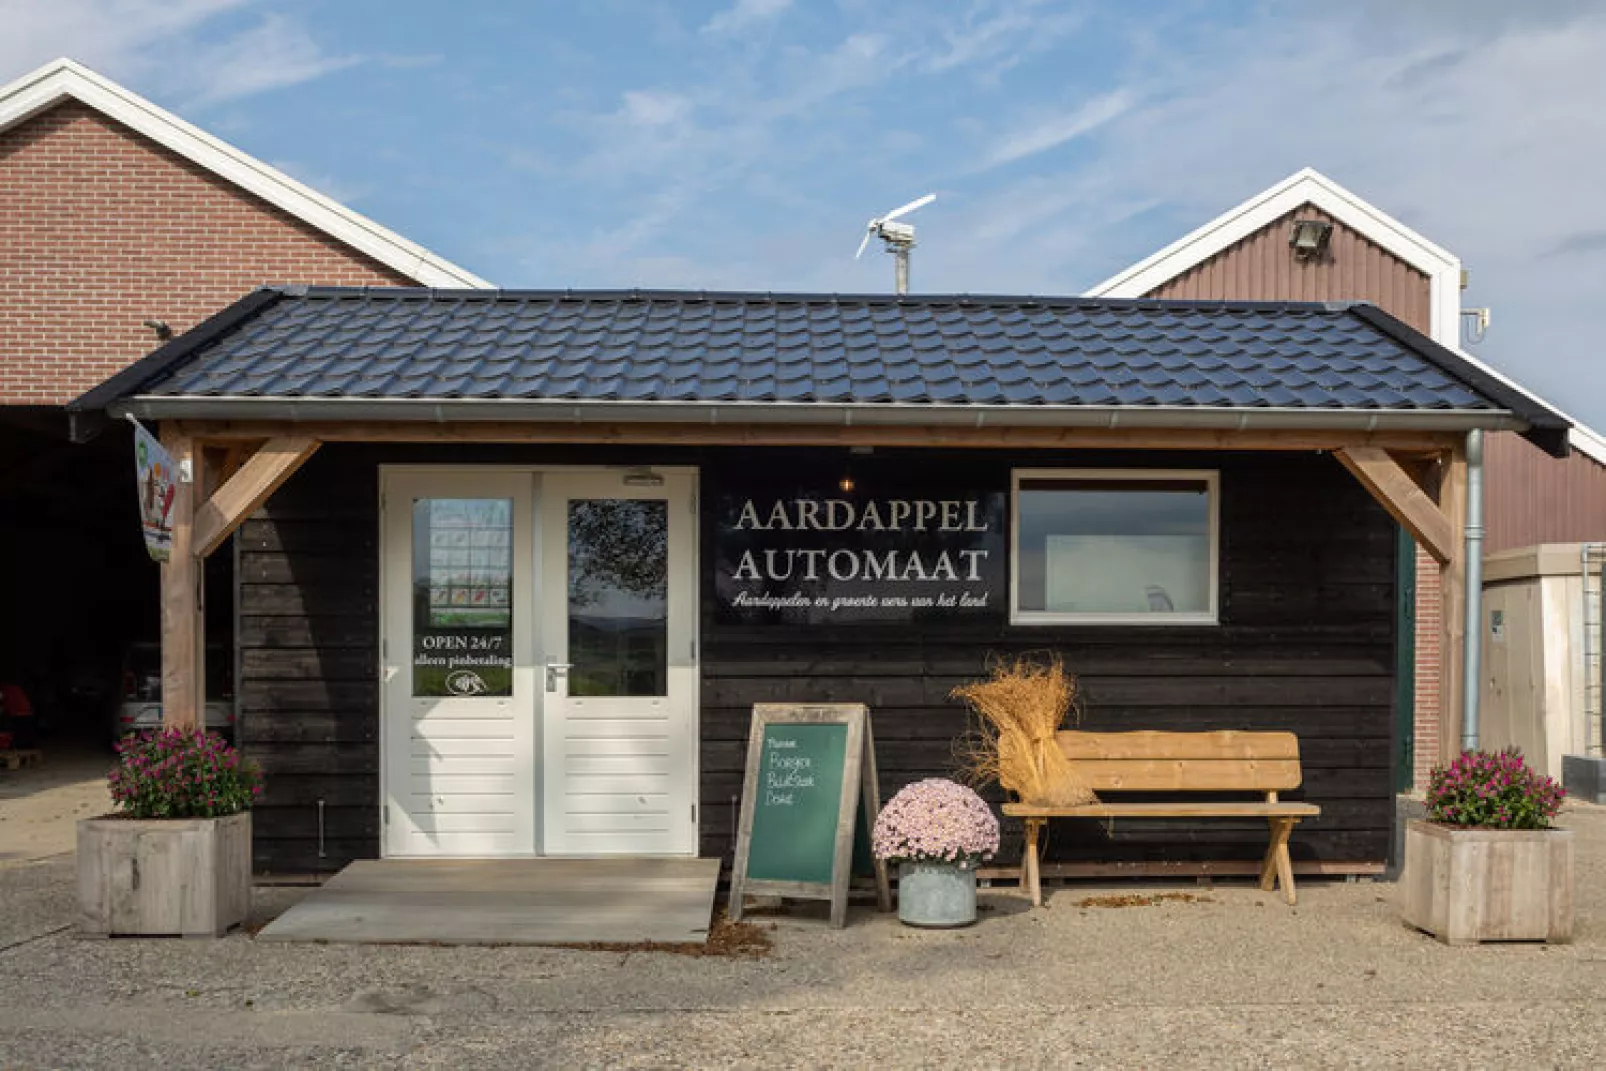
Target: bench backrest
1184 762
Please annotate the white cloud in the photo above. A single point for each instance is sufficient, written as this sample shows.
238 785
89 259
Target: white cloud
743 15
1000 36
1056 130
105 34
653 108
168 48
274 53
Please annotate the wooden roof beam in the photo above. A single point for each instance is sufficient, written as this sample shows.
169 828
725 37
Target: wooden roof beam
258 477
1406 502
763 434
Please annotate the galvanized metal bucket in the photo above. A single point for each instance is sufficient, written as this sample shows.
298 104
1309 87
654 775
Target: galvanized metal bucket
936 895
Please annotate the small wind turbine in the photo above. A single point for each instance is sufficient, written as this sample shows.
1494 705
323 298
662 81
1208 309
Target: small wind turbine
900 238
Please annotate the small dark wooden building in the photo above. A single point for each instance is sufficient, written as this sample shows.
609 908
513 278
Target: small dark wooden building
513 567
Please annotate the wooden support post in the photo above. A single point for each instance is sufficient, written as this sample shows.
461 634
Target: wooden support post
1452 609
183 601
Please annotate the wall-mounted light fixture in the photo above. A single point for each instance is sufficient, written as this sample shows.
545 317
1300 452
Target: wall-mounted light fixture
1309 238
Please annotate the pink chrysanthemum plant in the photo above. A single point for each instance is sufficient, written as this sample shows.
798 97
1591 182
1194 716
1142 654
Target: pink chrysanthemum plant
182 773
935 821
1493 790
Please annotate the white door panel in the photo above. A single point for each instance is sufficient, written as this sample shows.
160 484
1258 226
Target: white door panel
459 693
619 704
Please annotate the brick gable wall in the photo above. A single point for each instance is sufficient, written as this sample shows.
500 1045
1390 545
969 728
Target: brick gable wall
101 228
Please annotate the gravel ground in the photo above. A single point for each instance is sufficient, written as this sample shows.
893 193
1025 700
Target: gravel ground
1235 979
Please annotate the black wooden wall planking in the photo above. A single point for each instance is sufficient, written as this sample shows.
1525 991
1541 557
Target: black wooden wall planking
1306 644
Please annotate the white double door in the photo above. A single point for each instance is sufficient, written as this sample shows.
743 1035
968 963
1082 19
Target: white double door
538 662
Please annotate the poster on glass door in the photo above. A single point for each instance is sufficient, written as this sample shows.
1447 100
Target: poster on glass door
463 597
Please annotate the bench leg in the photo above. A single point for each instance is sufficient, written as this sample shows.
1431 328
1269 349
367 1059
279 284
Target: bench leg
1030 870
1277 866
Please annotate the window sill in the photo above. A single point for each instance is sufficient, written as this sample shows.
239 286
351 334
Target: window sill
1032 619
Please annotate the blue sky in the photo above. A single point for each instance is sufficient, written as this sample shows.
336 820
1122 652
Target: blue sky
741 144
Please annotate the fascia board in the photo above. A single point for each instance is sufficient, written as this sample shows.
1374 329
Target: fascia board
63 79
1580 436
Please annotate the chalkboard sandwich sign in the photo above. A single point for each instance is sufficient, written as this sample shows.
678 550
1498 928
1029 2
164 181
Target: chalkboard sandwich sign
809 799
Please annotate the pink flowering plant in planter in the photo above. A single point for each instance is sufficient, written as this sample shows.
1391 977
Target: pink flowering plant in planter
1487 864
1492 790
936 821
182 773
185 796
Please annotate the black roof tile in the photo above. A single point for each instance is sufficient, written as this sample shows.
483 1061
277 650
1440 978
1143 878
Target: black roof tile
695 347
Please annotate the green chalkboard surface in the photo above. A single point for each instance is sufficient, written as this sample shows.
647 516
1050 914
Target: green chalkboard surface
797 803
809 799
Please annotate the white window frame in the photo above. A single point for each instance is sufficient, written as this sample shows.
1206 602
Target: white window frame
1212 481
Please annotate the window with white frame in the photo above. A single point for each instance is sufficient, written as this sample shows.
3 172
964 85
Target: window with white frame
1133 546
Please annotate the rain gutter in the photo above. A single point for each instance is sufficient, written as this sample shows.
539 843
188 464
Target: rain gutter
437 411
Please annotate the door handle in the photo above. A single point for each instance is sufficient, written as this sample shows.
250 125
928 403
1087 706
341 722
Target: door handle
552 671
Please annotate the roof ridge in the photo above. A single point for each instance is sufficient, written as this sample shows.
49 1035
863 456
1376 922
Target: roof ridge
424 293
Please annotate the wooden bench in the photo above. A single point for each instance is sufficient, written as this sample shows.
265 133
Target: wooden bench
1263 763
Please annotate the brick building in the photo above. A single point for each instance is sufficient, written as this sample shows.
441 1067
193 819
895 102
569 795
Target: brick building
1249 253
119 224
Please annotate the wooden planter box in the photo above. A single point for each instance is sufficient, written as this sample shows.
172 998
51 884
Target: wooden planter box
1470 885
188 876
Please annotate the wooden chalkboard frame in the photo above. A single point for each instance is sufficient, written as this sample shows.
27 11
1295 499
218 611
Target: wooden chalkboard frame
860 784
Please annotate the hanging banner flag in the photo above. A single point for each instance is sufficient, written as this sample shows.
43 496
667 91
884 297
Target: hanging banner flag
156 477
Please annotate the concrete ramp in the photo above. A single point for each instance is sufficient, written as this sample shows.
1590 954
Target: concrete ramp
507 902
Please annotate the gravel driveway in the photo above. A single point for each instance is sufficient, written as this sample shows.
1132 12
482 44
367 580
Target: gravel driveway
1230 977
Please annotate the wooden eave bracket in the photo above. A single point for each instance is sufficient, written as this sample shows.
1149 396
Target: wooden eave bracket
1406 502
261 474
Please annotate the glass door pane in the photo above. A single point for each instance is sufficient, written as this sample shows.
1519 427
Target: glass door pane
618 597
462 597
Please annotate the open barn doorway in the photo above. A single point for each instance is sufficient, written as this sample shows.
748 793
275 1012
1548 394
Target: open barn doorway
79 610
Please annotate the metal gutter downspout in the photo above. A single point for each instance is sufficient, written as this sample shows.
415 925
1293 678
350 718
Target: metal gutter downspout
1472 656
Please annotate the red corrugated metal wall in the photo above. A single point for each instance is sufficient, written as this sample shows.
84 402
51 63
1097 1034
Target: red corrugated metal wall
1531 497
1261 267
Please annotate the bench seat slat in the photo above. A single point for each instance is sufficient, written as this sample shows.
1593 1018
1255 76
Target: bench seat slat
1188 775
1166 810
1147 744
